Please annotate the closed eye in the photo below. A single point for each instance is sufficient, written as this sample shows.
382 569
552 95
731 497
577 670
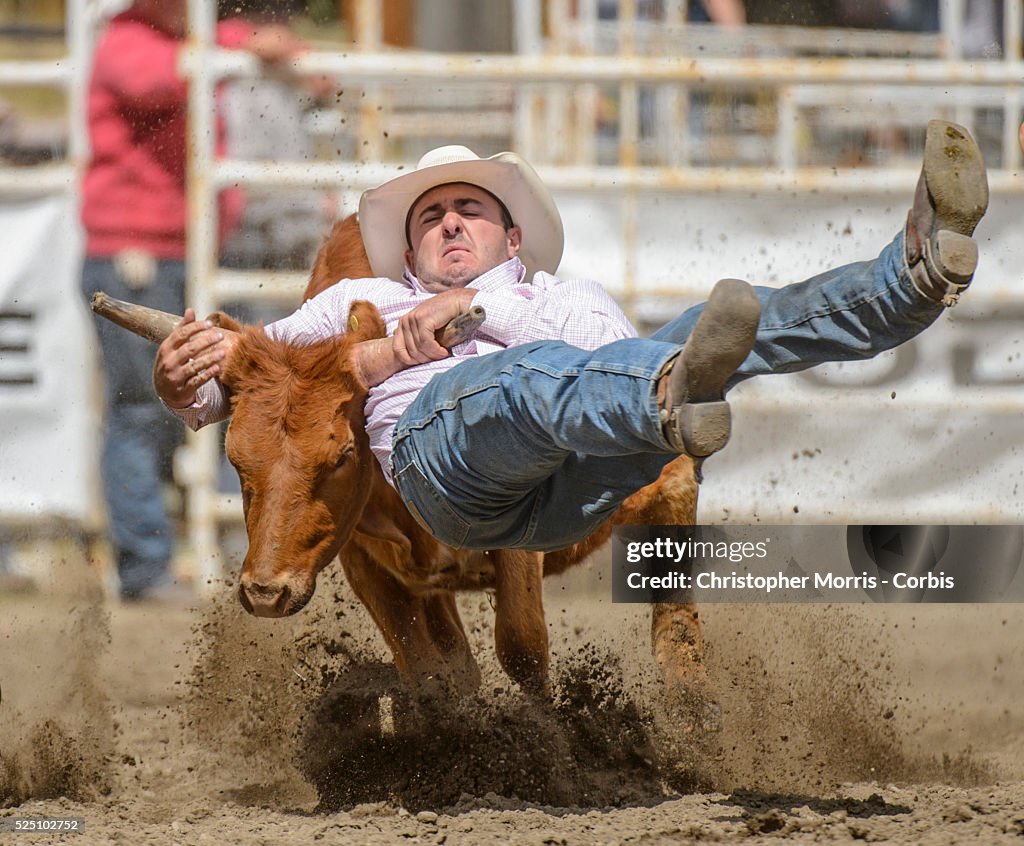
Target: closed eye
345 455
469 207
430 214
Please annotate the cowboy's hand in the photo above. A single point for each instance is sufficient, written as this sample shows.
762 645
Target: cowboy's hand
414 339
189 357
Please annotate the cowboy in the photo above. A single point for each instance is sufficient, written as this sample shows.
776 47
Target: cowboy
534 431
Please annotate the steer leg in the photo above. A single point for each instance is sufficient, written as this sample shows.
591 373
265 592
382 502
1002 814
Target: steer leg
676 638
402 619
678 644
448 634
520 633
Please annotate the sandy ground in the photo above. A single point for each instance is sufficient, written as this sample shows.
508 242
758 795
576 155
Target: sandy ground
838 723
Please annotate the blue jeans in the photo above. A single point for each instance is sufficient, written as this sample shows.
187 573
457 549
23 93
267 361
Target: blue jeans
535 446
140 437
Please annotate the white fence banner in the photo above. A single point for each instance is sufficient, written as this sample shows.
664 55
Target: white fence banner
48 391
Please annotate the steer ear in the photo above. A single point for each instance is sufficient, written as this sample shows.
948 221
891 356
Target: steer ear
229 374
364 321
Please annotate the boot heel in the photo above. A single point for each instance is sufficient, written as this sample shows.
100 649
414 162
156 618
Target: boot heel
955 256
704 428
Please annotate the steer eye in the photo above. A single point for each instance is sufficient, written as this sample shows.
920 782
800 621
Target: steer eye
346 454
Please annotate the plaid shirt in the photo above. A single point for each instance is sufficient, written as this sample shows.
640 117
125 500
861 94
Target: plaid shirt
577 311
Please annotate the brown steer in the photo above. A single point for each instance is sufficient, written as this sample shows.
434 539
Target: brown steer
312 491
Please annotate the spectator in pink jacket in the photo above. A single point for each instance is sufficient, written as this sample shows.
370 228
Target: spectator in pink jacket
133 212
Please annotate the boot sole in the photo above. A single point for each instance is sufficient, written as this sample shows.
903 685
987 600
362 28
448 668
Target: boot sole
954 173
721 340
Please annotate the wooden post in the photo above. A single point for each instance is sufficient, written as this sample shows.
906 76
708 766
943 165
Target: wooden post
397 20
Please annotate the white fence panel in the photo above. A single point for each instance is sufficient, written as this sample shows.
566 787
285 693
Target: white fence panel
48 402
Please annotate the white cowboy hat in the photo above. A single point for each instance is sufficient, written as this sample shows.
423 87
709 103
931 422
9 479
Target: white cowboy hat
383 211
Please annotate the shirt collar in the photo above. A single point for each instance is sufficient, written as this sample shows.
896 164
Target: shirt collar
511 272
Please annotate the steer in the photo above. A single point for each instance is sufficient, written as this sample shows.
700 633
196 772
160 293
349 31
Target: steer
312 491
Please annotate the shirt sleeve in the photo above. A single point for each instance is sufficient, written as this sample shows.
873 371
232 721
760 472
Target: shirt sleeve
211 405
578 311
141 66
233 33
322 317
317 320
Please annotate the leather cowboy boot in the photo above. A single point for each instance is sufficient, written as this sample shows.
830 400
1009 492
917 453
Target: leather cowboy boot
951 197
691 392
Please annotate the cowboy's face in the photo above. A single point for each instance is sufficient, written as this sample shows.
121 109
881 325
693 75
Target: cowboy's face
457 233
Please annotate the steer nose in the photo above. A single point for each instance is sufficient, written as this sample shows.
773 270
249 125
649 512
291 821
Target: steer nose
264 599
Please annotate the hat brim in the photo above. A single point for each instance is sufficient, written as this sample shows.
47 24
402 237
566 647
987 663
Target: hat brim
383 210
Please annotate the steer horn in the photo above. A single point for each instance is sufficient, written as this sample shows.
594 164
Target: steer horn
461 327
151 324
156 325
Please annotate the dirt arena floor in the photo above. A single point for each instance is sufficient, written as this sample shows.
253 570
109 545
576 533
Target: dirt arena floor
896 724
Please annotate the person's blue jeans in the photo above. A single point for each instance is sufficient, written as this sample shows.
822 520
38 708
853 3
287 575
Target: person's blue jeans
139 437
535 446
